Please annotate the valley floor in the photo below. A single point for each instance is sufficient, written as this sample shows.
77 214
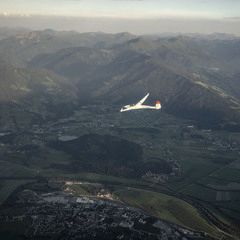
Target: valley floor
197 185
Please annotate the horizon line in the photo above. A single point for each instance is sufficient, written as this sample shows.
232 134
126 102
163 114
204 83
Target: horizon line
112 17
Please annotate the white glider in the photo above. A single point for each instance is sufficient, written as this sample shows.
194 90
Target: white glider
140 105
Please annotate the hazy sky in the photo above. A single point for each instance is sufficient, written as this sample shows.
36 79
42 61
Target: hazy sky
125 8
136 16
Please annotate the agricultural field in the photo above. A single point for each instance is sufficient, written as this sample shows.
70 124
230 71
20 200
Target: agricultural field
200 192
227 174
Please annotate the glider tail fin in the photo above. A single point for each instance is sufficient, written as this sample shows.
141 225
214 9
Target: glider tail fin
158 104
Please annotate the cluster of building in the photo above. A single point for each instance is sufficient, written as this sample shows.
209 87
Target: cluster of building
156 178
60 215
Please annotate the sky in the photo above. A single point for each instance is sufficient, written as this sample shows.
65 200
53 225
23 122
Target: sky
125 8
190 13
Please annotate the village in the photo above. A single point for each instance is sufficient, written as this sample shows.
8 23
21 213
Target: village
62 215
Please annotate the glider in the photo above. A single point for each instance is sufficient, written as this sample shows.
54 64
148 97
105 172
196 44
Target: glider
140 105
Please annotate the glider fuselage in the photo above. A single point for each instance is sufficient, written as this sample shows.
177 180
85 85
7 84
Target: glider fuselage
136 107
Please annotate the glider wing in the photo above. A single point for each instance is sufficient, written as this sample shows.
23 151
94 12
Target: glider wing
143 100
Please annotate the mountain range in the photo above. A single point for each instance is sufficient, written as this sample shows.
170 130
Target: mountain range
195 77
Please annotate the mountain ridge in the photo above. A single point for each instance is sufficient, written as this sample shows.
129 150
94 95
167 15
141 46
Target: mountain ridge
190 75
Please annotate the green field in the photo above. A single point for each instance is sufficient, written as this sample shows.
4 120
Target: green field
166 207
78 190
228 174
14 170
8 186
94 177
200 192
